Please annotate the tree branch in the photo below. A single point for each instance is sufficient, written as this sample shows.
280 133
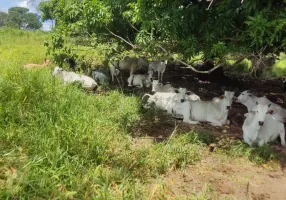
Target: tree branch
189 66
133 26
132 45
210 4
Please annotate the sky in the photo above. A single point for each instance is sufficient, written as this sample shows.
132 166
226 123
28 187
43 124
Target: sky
6 4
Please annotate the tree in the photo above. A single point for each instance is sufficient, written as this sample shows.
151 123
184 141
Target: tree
20 10
186 27
14 19
32 21
3 18
20 18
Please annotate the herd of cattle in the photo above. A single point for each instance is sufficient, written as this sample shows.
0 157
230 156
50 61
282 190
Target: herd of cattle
264 120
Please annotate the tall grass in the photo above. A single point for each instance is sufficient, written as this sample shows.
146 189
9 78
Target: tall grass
58 142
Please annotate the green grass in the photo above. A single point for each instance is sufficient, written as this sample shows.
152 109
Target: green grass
59 142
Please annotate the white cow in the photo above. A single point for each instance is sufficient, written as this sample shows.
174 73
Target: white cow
249 100
100 77
215 111
113 71
160 67
140 80
70 77
165 101
156 87
259 127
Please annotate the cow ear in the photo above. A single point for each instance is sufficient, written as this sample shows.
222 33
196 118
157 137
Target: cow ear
221 97
176 91
188 93
271 112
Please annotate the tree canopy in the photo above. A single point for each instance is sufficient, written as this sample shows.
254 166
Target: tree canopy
186 27
19 17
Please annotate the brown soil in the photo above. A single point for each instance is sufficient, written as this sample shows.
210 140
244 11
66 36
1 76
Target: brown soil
230 179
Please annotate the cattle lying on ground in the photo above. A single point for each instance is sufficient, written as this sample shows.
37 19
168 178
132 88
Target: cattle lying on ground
215 111
160 67
31 66
70 77
156 87
100 77
259 127
166 101
249 100
140 80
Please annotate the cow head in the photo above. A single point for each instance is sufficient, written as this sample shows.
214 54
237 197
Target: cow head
244 96
260 111
143 61
181 92
57 70
227 99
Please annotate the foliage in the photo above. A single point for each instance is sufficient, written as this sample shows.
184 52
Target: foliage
183 27
3 18
243 66
279 69
19 17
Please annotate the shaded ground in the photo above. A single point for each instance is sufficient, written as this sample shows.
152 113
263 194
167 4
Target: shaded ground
230 179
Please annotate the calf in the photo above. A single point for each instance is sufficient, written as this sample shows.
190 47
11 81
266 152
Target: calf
249 100
140 80
70 77
156 87
215 111
259 127
165 101
160 67
100 77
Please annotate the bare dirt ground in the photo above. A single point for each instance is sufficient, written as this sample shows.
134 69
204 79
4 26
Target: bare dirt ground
230 178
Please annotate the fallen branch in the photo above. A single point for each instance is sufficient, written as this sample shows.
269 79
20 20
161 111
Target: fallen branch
133 26
210 4
189 66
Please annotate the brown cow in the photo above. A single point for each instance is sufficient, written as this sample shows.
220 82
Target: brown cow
31 66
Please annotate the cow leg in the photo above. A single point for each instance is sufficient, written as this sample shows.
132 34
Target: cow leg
246 139
162 76
215 122
112 77
282 136
187 114
158 76
129 81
